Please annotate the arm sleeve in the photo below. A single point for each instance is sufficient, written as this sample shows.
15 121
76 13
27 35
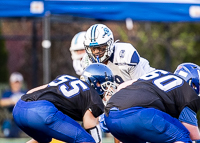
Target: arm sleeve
102 123
188 116
145 65
96 105
142 68
136 72
128 60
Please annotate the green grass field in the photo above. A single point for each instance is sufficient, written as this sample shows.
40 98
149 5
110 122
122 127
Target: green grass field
14 140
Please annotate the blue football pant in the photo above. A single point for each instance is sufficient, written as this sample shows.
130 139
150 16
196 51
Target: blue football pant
140 125
42 121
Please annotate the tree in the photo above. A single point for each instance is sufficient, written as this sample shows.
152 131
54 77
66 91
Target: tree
166 45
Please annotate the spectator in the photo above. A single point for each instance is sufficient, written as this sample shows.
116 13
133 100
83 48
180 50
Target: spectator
8 101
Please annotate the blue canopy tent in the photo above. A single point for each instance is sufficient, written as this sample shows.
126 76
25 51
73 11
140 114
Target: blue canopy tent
21 8
137 10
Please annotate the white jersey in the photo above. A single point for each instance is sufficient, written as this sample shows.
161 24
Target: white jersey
125 63
77 67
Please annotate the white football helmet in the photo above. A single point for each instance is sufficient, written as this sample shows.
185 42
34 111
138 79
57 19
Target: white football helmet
98 36
77 44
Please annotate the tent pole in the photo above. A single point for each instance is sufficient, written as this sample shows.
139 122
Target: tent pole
46 44
34 53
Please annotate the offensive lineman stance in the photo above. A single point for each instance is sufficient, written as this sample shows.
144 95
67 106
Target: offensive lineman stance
159 107
50 111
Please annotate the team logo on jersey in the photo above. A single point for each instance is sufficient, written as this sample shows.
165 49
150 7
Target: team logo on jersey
122 53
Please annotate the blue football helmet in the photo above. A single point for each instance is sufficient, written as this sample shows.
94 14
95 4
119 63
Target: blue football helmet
101 78
190 73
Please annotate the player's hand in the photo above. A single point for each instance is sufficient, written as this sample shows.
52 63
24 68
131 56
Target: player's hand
102 123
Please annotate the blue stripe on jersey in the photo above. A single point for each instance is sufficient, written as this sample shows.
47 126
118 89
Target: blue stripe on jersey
93 33
76 40
135 58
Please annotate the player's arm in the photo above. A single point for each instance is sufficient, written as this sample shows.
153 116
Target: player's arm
189 120
138 66
145 65
37 88
194 131
133 61
91 125
136 72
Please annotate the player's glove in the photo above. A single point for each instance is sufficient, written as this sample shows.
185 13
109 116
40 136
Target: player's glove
103 123
96 133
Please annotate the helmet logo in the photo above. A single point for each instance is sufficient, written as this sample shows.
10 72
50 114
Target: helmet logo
180 67
106 32
182 73
122 53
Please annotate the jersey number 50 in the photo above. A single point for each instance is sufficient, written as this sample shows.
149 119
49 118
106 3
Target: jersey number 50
165 83
74 88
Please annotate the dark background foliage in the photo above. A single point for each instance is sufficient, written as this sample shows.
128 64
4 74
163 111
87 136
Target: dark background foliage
165 45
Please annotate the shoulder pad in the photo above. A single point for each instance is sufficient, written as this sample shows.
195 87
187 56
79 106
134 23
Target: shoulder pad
126 54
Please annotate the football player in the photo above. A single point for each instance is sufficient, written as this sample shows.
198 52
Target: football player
51 111
122 58
101 78
159 107
77 50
